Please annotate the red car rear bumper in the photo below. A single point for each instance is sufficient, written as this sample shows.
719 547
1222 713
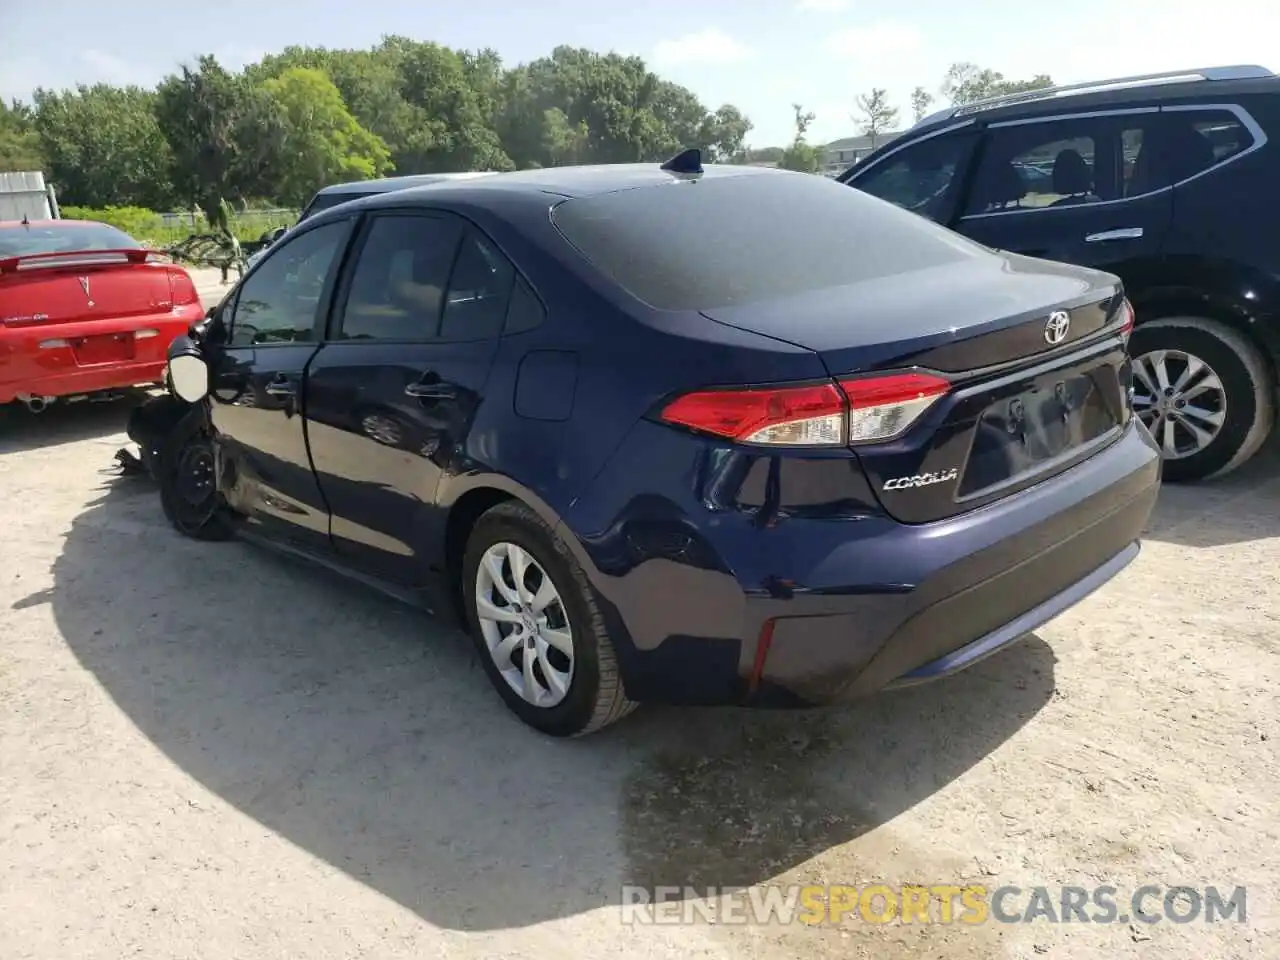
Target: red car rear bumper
67 359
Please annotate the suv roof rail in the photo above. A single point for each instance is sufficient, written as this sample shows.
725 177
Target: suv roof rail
1240 72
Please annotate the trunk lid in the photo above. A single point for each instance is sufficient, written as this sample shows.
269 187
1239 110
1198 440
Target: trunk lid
1027 402
44 289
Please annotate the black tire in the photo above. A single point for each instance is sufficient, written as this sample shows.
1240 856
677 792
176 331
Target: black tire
596 697
199 517
1248 386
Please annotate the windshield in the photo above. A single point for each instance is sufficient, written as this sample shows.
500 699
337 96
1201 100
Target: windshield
72 237
746 238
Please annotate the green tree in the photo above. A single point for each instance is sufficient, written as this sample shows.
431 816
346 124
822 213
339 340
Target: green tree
221 132
725 134
920 102
877 116
101 145
966 82
801 155
19 141
322 142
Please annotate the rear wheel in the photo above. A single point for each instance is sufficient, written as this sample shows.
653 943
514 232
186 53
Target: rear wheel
534 619
1205 392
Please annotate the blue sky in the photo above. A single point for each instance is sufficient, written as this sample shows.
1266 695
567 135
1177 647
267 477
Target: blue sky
761 55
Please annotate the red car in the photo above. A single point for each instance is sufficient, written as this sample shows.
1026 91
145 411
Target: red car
85 311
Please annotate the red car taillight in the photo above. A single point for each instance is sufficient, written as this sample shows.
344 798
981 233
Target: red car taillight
860 410
1126 315
181 289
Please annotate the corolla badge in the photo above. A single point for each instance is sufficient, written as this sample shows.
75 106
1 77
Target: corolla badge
921 479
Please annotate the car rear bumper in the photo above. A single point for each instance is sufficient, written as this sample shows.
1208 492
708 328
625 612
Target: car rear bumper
41 360
878 603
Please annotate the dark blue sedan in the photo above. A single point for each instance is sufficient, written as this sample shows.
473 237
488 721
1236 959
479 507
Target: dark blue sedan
693 435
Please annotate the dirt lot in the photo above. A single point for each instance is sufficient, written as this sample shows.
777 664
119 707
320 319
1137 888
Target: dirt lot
207 751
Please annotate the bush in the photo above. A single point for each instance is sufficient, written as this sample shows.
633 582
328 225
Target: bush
152 229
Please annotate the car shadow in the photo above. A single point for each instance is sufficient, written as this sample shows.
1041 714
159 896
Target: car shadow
1238 508
21 430
368 736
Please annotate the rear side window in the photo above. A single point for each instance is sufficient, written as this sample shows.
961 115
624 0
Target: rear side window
24 241
721 241
1196 140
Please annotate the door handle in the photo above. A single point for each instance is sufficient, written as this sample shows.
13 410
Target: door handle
430 390
281 388
1124 233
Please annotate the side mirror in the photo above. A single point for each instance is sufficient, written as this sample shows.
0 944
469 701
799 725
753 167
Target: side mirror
188 373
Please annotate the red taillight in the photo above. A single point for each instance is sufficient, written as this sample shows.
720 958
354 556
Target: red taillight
182 290
859 410
883 407
805 416
1126 317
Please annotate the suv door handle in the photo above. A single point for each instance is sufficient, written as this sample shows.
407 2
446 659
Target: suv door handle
1124 233
430 390
281 387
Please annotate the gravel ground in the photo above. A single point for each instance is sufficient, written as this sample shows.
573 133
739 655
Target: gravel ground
208 751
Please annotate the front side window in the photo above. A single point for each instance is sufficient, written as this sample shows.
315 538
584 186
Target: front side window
398 287
918 177
278 301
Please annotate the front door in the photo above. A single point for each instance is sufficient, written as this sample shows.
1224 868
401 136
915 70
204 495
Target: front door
272 328
392 394
1085 190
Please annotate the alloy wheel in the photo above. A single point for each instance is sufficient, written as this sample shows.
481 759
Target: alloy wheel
524 624
1180 399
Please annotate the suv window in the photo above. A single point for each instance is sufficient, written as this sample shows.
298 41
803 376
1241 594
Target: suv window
1064 163
1199 139
277 302
748 237
479 291
918 177
397 289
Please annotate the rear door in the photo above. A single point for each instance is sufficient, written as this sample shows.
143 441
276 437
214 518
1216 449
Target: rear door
392 394
275 319
1086 190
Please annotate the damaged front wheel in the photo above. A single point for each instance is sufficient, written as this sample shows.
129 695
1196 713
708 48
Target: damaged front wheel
189 490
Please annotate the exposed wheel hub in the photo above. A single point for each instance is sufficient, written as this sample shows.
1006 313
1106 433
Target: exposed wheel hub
1181 400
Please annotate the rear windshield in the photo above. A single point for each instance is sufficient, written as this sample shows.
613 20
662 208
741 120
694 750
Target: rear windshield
323 201
732 240
21 241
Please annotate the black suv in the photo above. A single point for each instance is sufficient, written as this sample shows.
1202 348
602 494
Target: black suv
1168 181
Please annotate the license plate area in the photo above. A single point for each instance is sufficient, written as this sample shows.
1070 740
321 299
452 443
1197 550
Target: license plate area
1040 424
103 348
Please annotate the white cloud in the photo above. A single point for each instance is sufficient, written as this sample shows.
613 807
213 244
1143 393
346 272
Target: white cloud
885 39
823 6
709 46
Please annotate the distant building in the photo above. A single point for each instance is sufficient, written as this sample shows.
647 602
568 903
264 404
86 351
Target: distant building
840 155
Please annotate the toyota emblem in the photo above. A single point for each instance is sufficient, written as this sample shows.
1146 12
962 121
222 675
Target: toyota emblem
1057 327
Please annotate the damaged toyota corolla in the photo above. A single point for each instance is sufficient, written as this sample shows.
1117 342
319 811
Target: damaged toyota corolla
681 434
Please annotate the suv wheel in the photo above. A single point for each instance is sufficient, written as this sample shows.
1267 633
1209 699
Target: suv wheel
1204 391
540 634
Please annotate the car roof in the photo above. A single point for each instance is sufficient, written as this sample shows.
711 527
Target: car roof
1154 86
576 181
364 187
